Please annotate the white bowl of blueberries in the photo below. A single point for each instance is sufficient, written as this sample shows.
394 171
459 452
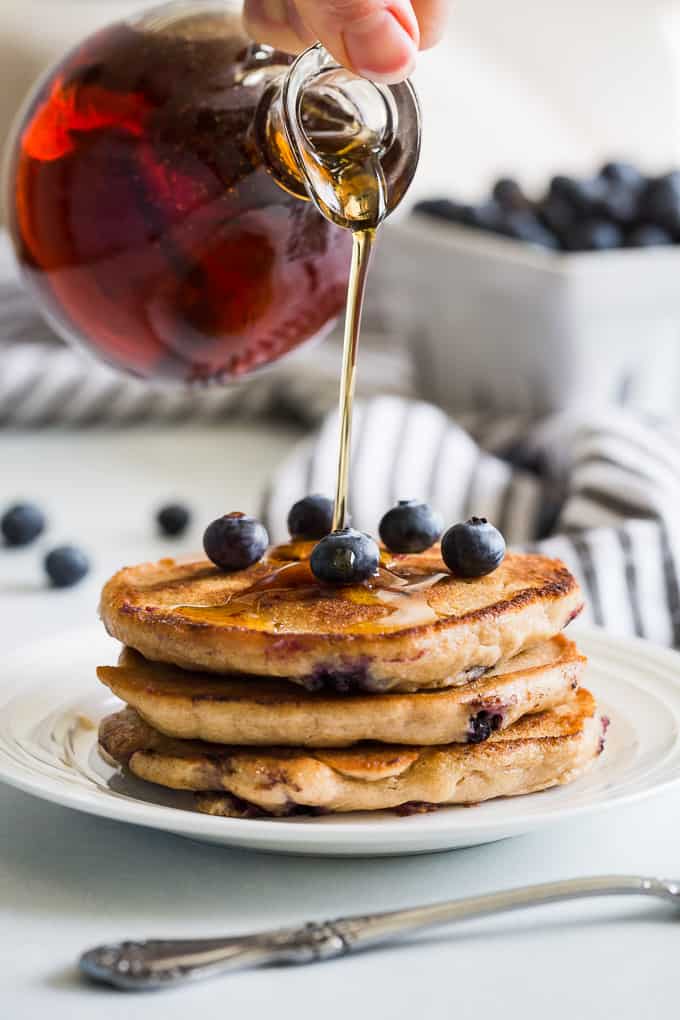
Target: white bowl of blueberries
539 305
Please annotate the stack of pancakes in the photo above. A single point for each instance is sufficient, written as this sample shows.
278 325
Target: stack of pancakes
266 692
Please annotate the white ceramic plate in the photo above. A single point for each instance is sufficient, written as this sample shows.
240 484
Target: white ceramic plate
51 703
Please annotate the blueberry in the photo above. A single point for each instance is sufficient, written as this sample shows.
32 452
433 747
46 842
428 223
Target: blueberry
524 226
441 209
22 524
173 519
487 216
66 566
557 214
623 173
647 235
473 549
660 202
410 527
311 517
345 557
483 725
235 542
594 235
562 187
620 203
582 195
510 196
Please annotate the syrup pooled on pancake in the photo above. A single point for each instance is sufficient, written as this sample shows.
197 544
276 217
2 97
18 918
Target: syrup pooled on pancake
400 592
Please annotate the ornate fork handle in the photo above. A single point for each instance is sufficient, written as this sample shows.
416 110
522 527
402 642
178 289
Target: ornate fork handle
159 964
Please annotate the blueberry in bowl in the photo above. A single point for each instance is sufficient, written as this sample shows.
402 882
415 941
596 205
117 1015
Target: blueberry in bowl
583 195
619 172
601 212
594 234
473 549
660 202
345 557
410 527
442 209
649 235
311 518
21 524
523 225
235 541
486 216
510 196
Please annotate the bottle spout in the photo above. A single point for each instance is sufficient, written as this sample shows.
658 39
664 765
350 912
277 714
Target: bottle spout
348 144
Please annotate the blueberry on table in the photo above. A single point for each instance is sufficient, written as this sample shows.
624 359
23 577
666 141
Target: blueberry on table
410 527
648 235
345 557
594 235
174 519
22 524
311 517
66 566
235 541
473 549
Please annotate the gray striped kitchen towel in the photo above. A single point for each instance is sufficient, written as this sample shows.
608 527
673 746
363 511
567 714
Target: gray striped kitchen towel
601 491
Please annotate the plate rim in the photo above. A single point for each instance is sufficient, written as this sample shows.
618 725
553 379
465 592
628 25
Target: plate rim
308 837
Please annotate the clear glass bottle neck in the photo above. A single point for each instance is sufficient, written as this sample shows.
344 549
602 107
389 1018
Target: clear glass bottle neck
348 144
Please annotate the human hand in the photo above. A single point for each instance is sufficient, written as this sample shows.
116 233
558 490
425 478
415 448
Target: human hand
378 39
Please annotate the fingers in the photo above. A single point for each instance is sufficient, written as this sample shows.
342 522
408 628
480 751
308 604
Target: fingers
277 23
378 39
432 17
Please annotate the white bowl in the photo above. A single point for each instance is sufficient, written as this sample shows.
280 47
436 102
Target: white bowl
500 325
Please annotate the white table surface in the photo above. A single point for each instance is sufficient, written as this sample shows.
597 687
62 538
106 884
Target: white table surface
69 880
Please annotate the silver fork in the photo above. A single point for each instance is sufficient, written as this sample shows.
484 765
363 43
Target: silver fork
157 963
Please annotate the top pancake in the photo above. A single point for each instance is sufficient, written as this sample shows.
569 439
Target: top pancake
416 627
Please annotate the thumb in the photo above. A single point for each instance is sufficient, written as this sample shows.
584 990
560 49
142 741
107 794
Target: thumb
378 39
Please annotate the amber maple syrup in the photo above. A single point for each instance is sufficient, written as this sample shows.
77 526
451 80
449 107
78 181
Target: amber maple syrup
143 212
346 178
399 591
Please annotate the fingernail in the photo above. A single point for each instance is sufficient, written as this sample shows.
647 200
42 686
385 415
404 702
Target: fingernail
380 48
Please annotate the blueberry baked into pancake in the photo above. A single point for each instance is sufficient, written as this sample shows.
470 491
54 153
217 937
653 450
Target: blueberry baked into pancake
338 674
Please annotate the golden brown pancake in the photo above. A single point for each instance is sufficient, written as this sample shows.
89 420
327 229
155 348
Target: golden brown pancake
256 711
538 752
415 627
